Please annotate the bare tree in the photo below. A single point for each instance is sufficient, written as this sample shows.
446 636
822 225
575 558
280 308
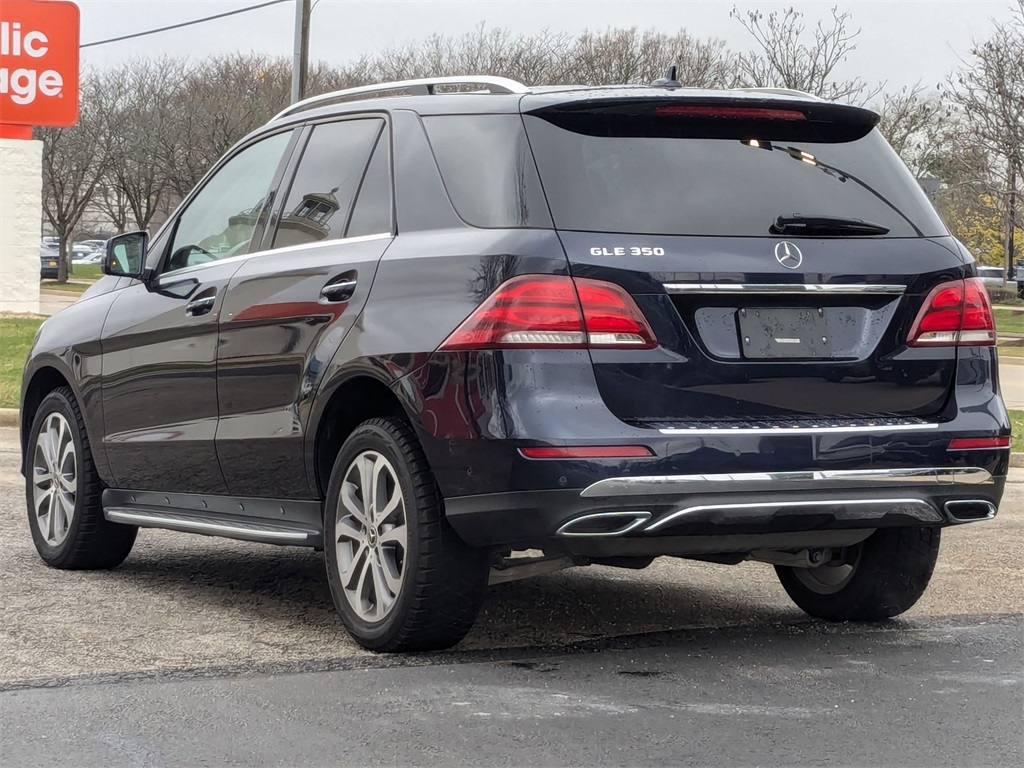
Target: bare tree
75 159
143 124
217 102
629 56
789 55
989 89
530 59
113 204
913 118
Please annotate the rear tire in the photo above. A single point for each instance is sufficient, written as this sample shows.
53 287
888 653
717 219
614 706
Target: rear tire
62 490
401 578
881 577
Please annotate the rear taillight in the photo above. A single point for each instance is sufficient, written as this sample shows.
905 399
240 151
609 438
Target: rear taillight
957 313
544 311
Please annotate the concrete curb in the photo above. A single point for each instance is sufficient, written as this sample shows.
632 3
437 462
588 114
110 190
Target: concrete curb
1017 459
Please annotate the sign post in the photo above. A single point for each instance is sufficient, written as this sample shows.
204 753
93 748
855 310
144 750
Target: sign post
38 87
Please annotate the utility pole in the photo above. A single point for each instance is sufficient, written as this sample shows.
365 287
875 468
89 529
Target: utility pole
1011 223
300 60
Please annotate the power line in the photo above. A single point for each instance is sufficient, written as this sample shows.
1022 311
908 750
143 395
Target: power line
184 23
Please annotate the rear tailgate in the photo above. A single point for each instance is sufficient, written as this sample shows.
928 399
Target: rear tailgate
674 200
718 358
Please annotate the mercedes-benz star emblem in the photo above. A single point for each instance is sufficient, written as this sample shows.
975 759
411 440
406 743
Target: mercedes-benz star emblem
788 255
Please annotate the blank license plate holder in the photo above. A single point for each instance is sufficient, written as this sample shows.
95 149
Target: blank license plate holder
783 333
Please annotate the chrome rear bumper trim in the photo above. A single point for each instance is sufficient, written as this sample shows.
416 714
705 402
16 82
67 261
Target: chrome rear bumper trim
859 510
785 288
723 431
817 479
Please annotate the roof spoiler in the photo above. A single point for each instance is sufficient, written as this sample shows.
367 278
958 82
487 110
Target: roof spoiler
728 116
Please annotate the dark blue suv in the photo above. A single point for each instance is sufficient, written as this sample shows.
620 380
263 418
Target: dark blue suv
424 328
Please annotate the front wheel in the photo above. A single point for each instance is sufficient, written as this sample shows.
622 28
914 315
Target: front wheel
62 489
879 578
401 578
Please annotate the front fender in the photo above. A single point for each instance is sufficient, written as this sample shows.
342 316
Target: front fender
68 347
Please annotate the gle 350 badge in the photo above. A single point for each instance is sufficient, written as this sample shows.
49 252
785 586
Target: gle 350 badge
628 250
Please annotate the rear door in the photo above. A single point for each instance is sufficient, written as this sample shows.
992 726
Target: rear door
758 318
288 309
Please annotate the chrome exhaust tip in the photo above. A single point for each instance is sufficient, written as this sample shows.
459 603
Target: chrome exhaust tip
603 524
969 510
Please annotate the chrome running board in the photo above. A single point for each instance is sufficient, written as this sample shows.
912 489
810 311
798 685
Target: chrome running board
269 521
189 522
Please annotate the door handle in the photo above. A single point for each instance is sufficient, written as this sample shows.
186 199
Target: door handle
201 306
339 291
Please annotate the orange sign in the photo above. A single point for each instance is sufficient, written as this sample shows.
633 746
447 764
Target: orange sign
38 62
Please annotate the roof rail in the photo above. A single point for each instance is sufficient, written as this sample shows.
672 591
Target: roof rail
421 87
783 92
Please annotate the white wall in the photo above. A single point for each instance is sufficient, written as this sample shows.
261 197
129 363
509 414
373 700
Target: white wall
21 207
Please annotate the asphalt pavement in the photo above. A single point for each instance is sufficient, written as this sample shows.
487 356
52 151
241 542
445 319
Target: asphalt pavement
203 651
923 693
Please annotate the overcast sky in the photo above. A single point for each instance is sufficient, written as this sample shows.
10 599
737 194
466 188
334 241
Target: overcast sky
902 41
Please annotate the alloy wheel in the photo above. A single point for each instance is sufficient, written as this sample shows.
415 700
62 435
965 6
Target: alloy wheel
371 536
55 479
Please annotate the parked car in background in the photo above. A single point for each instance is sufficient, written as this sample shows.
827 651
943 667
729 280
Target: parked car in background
424 332
1017 276
992 277
50 242
48 257
93 257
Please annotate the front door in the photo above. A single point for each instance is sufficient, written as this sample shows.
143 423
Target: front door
159 361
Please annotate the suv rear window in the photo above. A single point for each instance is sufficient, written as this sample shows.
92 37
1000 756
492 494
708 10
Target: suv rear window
656 184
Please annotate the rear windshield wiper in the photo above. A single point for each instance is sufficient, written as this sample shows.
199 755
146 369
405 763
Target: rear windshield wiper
798 224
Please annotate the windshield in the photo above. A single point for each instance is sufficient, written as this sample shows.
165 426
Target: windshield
723 186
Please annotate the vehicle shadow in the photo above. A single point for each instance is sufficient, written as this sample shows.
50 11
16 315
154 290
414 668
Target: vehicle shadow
275 587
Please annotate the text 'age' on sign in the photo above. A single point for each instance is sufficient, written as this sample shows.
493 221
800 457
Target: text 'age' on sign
38 62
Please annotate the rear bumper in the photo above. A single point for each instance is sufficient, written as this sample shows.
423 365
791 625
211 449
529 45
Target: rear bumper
473 413
692 514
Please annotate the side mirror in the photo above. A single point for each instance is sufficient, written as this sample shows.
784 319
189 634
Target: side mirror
126 255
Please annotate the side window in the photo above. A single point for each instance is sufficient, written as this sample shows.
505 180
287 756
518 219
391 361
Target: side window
372 212
225 218
488 169
329 174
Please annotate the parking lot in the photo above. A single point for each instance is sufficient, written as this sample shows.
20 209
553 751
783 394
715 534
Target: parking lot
183 602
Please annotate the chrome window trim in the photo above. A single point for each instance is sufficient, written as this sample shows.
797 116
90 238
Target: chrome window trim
273 251
721 431
785 288
669 484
